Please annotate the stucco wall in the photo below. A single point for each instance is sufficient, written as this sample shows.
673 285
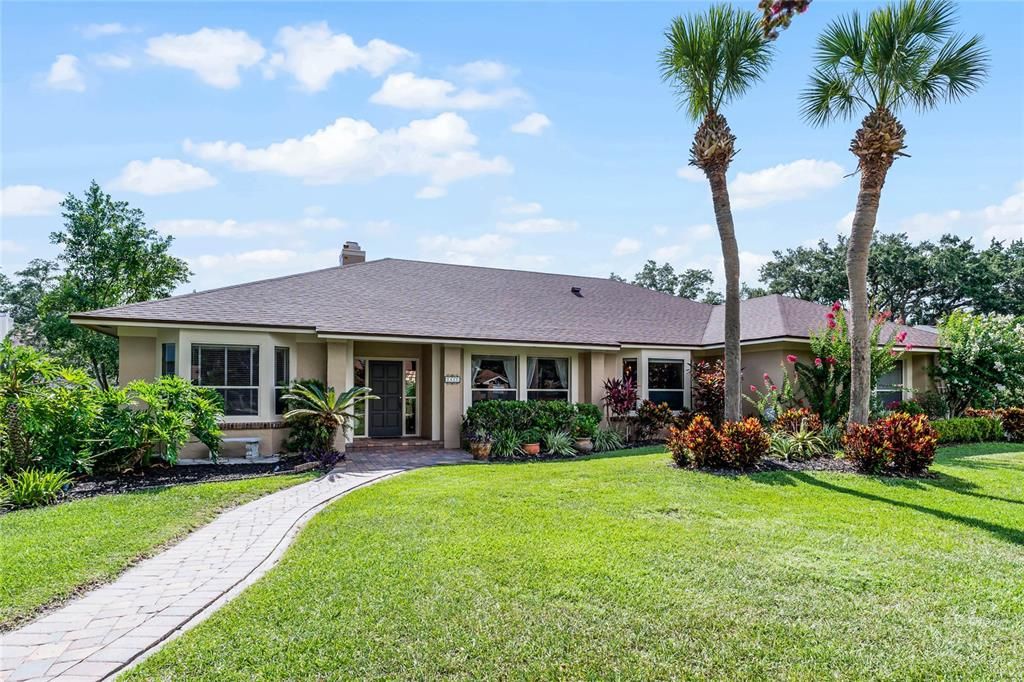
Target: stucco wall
311 361
136 359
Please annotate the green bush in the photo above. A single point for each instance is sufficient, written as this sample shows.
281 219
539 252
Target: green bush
491 416
32 488
969 429
559 443
607 439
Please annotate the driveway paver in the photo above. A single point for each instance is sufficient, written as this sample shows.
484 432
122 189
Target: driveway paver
100 633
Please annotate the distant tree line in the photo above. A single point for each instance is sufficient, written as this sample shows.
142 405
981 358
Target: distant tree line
920 282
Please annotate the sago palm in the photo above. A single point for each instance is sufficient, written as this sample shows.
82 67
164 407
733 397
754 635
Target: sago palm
712 58
902 56
329 409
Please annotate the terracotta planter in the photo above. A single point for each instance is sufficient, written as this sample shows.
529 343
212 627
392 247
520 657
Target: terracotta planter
531 449
584 445
481 450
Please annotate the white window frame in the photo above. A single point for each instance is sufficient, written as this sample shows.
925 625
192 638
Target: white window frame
568 379
471 376
905 363
681 390
521 353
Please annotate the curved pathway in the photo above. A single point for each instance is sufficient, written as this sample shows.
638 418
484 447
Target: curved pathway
110 627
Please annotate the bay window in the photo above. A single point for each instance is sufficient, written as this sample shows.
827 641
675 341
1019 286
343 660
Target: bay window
494 377
232 371
547 379
665 383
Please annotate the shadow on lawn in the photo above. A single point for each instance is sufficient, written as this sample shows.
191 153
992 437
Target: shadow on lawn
1011 535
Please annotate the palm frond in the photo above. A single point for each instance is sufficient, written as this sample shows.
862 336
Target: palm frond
713 57
903 54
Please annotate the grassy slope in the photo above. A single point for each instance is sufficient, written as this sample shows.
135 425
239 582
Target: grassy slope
626 567
49 553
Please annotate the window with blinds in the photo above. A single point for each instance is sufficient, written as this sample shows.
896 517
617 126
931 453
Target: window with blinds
232 371
282 377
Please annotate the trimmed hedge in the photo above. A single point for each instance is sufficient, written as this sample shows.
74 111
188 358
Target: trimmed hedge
546 416
969 429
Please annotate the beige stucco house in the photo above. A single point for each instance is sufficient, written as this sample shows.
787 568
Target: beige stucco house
430 339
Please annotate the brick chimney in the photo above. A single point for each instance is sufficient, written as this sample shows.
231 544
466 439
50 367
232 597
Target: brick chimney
351 253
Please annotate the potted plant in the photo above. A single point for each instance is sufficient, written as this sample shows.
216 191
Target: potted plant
531 442
584 430
480 445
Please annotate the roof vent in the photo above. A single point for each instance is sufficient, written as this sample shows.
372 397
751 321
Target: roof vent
351 253
576 291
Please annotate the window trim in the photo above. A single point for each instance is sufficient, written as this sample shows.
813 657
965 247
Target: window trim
515 388
254 373
163 359
900 388
568 377
281 388
682 390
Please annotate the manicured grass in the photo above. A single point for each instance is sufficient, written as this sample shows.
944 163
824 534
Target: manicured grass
624 567
48 554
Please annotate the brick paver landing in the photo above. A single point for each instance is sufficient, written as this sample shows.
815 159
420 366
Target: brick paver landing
103 631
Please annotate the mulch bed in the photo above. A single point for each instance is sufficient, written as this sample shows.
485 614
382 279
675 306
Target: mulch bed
843 466
160 477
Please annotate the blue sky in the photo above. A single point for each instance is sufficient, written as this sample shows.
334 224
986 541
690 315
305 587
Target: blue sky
534 136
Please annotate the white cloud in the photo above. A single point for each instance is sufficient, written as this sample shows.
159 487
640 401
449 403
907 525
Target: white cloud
28 200
441 149
431 192
1003 221
221 269
691 235
192 227
532 124
409 91
750 266
510 206
785 182
484 70
113 61
626 246
214 54
487 249
844 225
163 176
660 230
691 174
93 31
65 75
539 226
671 252
312 55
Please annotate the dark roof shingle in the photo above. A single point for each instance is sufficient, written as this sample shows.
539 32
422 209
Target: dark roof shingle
392 297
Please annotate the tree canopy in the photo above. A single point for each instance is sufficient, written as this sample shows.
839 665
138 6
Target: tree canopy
108 257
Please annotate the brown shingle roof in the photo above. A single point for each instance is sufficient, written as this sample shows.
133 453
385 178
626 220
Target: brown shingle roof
392 297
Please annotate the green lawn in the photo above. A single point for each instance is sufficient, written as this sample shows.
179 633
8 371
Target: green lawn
50 553
624 567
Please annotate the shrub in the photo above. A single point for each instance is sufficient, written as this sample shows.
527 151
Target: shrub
863 444
911 441
772 399
901 442
832 437
554 415
328 409
620 396
981 360
1012 419
607 439
530 436
968 429
586 426
745 442
507 444
588 411
33 488
800 446
697 445
910 407
933 404
708 392
678 444
559 443
651 418
325 459
490 416
797 418
147 419
306 431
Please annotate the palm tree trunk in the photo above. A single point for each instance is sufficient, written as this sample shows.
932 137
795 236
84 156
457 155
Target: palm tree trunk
857 274
731 257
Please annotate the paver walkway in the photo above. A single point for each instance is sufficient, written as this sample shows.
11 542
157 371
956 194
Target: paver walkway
100 633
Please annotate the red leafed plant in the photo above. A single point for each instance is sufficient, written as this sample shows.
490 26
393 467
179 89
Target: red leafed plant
792 420
709 389
901 442
738 445
619 396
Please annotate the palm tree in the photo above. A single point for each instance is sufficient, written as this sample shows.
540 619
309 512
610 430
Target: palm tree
328 409
711 59
904 55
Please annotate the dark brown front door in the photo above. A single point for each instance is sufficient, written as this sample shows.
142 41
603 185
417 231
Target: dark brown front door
386 412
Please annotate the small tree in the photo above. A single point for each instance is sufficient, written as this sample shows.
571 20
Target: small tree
981 363
329 409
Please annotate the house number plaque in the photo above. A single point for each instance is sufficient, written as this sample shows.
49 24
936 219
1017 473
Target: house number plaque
452 379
